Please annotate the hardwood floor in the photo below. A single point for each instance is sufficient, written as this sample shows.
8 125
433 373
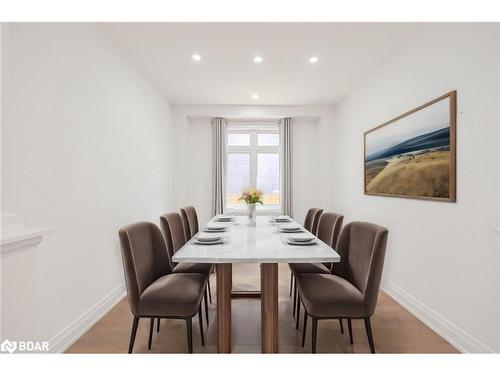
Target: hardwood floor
394 329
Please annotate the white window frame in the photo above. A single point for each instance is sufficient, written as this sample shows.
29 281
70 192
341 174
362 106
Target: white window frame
254 149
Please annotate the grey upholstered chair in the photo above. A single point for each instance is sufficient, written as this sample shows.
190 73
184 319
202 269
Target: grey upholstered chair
312 218
173 231
310 224
351 292
329 227
189 221
315 222
190 225
153 290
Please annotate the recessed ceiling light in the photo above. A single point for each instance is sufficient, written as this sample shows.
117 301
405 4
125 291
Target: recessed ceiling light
255 96
313 60
196 57
258 59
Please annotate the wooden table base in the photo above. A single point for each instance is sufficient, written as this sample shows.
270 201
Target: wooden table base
269 307
224 287
245 294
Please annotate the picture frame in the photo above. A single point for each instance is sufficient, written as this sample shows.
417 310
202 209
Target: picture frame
414 154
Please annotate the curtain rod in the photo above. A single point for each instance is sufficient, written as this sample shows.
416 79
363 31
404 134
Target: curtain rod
253 119
233 119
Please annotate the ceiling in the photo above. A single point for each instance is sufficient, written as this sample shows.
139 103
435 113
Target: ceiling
227 74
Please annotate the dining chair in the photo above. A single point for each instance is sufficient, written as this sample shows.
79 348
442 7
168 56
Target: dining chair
351 292
314 226
153 290
189 221
173 232
311 215
190 225
329 227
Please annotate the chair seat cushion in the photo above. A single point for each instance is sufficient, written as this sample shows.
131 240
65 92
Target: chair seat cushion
173 295
330 296
205 268
297 268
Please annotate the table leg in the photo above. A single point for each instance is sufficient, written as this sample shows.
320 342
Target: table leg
224 287
269 307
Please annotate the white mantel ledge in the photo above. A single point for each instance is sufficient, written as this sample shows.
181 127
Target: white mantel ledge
23 239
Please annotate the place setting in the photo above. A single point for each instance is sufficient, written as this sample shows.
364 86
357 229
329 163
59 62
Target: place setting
215 227
224 219
280 219
209 239
290 228
305 239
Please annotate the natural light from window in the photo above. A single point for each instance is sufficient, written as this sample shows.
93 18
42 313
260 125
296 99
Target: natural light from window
253 160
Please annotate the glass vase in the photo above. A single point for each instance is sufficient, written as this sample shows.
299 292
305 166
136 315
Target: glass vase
252 209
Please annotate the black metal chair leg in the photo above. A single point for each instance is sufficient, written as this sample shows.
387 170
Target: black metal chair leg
369 334
314 334
295 292
349 326
209 289
298 314
189 329
132 334
304 328
158 325
151 325
341 326
200 320
291 283
206 305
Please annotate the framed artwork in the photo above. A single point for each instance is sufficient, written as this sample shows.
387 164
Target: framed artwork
414 155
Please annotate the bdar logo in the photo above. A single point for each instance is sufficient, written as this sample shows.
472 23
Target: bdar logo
8 346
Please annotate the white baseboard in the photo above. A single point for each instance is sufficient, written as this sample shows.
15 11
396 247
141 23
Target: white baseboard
60 342
456 336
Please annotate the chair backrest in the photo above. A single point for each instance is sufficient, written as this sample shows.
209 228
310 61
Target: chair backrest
361 247
190 221
171 225
309 220
329 227
314 228
144 258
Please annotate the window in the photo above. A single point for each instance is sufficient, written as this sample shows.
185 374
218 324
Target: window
253 160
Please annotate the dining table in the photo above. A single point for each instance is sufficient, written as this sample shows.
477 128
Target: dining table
252 241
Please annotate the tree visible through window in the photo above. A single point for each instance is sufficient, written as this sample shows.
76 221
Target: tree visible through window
253 160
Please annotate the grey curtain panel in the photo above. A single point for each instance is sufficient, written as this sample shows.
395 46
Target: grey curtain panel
286 165
219 165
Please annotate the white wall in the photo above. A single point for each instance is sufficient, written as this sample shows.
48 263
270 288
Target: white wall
442 259
312 177
85 150
498 179
1 121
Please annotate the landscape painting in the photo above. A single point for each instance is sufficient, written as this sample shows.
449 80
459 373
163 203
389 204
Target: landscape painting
413 155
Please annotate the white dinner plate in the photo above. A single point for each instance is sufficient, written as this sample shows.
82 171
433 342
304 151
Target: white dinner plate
291 231
290 227
196 241
205 237
300 243
208 230
216 226
282 219
224 218
302 237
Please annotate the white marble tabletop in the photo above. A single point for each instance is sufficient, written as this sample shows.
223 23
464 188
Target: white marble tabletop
254 244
